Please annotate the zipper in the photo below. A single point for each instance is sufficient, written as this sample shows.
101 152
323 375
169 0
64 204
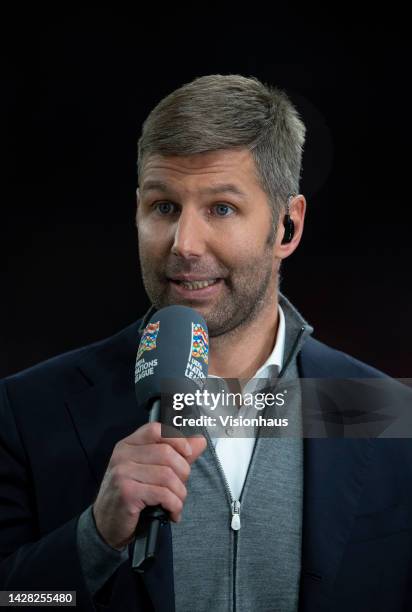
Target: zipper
234 506
234 503
235 524
235 542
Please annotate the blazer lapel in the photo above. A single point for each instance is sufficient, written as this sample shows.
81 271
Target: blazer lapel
103 415
104 410
334 472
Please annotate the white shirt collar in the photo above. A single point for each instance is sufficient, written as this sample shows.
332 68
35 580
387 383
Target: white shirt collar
276 356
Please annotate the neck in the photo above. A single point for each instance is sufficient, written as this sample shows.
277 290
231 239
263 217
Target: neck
227 352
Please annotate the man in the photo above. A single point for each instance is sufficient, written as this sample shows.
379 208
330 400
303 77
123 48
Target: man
324 523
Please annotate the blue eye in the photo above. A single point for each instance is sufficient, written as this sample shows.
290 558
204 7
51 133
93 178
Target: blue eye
223 210
164 208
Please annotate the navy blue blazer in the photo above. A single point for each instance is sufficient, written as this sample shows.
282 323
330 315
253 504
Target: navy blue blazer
59 422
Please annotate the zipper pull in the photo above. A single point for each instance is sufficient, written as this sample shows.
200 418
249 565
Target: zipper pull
235 516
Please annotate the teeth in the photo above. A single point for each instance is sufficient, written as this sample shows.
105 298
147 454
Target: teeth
198 284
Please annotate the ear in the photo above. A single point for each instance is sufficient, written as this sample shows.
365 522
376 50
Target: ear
297 211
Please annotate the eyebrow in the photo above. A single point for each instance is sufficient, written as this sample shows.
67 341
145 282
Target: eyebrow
153 185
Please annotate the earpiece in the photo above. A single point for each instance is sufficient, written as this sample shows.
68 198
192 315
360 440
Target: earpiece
288 223
289 229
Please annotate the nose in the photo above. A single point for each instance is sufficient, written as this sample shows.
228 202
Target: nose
190 234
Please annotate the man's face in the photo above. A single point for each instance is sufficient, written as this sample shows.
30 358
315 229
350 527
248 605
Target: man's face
206 238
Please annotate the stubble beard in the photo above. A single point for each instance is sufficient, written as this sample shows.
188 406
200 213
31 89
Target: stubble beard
246 292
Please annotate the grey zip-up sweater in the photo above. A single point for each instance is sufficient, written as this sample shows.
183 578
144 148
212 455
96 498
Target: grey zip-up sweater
216 568
258 567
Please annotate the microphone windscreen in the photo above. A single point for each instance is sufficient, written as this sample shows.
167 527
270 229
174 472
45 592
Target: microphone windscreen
174 347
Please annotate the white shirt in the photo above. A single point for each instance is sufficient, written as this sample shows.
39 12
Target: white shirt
235 453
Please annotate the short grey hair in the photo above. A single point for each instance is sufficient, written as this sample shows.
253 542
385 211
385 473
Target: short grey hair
217 112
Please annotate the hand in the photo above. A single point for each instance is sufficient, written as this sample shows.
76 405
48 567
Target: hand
144 470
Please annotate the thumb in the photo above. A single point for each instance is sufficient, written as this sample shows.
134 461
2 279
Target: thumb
198 445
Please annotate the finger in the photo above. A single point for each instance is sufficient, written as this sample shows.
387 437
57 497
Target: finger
198 445
155 454
151 433
158 475
153 495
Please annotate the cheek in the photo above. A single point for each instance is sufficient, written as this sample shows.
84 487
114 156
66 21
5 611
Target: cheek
151 241
242 246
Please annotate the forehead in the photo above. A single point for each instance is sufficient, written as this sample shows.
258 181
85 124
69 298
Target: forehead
227 167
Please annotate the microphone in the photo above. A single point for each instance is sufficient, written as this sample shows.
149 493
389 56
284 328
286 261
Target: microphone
174 346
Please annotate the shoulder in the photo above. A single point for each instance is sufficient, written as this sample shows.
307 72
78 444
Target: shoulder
370 404
320 360
67 370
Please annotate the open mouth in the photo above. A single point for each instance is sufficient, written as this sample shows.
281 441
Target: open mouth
195 285
202 289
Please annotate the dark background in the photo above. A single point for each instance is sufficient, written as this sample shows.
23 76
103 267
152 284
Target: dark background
75 90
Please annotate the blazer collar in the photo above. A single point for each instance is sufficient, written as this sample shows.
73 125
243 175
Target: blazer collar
101 399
